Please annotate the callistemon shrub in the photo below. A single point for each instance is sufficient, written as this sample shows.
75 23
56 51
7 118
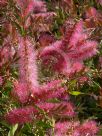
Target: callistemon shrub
48 71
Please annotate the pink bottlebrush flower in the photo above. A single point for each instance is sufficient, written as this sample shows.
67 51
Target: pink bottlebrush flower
76 67
83 51
99 1
83 79
27 114
67 29
55 56
91 12
21 91
22 60
3 3
35 6
45 39
59 109
70 51
54 46
54 89
51 90
52 85
6 51
93 17
61 128
88 128
21 115
76 35
75 129
79 47
39 6
65 128
32 73
73 68
29 6
22 3
87 50
27 64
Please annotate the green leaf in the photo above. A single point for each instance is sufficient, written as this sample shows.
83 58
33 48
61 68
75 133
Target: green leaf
12 130
76 93
100 131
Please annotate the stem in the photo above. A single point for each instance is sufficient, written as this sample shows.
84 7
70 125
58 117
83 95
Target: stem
17 132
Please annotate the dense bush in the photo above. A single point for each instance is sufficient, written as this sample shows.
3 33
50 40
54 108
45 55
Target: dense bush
51 68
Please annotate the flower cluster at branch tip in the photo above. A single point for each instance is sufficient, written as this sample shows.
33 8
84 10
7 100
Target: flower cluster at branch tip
71 51
88 128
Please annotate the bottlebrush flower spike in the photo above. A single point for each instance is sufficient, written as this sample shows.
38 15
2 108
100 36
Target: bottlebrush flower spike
76 67
73 49
76 35
21 91
35 6
28 114
93 18
61 128
3 3
66 128
74 128
91 12
79 47
99 1
87 128
22 60
51 90
28 6
83 51
67 29
6 53
39 6
21 115
65 109
55 56
27 64
78 43
32 73
45 39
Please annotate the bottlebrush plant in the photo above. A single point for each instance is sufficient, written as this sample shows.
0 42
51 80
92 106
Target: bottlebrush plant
50 68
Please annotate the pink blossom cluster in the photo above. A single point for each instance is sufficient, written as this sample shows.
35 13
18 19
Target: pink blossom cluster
28 90
67 55
21 115
88 128
5 52
27 64
28 6
3 3
99 1
34 11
